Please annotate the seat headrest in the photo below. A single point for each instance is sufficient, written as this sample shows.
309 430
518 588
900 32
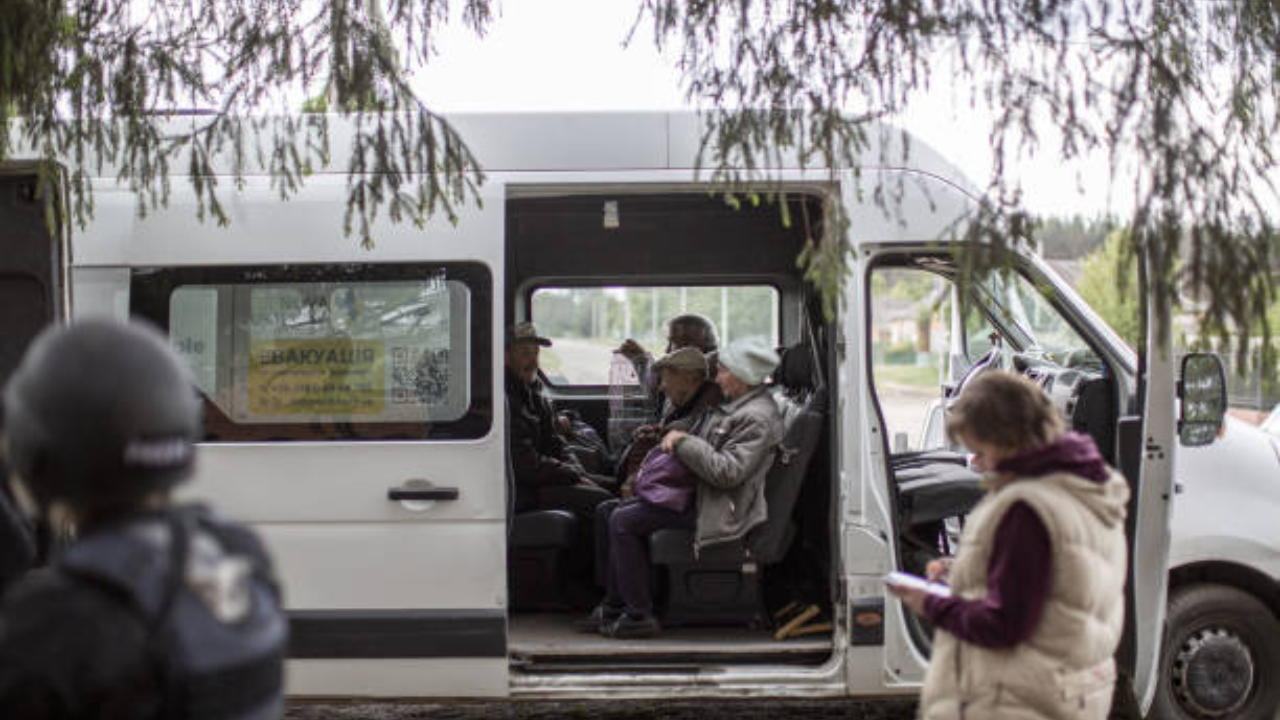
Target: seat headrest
795 371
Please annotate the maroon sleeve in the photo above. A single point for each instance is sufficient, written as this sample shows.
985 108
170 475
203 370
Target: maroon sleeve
1018 576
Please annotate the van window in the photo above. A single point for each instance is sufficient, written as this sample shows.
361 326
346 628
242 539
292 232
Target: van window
586 325
307 353
910 343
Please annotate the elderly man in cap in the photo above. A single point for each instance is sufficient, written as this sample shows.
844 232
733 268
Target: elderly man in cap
548 476
729 451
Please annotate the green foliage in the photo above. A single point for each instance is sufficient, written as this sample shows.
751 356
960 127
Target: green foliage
1109 283
140 91
317 105
1182 95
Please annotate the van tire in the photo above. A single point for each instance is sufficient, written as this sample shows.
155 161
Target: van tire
1227 633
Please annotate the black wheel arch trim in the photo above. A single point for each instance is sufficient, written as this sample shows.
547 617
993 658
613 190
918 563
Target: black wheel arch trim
1246 579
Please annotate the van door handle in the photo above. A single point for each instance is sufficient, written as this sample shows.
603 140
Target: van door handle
422 493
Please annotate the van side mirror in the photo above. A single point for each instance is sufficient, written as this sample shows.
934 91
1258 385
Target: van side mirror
1203 391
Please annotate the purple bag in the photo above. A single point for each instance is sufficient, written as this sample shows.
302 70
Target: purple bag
664 481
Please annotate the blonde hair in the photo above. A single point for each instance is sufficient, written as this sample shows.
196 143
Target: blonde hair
1004 409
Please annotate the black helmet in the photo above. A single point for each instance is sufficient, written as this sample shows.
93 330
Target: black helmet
100 411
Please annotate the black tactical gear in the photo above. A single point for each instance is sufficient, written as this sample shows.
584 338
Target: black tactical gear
151 614
100 411
171 614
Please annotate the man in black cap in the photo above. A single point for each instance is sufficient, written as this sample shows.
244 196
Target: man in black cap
155 610
548 476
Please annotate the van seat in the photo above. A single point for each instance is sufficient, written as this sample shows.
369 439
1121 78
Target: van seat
544 529
934 485
722 584
537 559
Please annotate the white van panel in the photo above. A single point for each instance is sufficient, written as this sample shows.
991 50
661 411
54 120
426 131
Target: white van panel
550 141
431 566
1227 487
105 241
306 228
466 677
348 481
930 209
99 292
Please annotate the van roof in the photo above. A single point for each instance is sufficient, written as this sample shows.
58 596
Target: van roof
586 141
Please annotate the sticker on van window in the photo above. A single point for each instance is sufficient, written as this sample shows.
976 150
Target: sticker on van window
305 377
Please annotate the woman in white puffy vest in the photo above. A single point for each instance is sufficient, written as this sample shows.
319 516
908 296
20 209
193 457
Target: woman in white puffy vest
1037 604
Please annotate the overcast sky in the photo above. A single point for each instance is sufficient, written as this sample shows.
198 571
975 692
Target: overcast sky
545 55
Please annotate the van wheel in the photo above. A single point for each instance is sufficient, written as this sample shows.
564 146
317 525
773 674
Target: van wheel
1220 657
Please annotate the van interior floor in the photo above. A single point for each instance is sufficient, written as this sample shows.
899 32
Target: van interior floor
551 641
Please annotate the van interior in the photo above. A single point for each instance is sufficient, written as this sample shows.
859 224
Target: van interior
931 336
591 268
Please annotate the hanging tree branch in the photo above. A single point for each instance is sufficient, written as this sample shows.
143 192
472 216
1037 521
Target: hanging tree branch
93 85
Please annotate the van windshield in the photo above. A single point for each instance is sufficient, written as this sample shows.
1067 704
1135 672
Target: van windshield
1024 310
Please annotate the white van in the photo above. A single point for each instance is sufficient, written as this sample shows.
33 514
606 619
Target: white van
354 416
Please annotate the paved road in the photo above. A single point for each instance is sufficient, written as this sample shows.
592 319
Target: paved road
629 710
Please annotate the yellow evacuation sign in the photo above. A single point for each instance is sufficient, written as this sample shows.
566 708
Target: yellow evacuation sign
317 377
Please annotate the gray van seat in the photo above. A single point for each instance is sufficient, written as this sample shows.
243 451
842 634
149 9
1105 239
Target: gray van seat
937 491
722 585
539 544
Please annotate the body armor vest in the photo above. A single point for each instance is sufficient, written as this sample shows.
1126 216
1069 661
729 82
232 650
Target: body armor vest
203 588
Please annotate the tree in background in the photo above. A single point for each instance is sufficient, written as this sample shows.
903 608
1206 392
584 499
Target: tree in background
1069 238
1183 96
1109 283
108 87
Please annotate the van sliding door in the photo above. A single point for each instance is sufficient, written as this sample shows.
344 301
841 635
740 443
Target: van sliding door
31 266
352 404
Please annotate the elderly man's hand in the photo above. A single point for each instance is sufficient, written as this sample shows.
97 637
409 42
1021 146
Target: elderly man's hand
911 597
630 349
670 440
563 424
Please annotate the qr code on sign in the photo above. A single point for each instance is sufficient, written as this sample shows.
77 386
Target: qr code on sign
419 376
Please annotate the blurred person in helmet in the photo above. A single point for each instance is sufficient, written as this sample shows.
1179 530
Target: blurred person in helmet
17 534
156 610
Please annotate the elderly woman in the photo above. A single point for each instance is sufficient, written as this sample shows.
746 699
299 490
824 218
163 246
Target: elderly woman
1037 604
729 454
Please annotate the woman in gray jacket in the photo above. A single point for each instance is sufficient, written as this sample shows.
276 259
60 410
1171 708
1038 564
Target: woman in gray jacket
730 455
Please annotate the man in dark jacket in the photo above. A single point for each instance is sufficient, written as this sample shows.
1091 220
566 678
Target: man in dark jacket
548 476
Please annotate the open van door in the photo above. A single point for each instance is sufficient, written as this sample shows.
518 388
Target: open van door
1151 508
353 416
32 263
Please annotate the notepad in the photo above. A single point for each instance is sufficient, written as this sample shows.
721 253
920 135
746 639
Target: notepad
901 579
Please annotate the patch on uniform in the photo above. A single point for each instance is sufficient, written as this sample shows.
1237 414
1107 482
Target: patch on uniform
223 583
